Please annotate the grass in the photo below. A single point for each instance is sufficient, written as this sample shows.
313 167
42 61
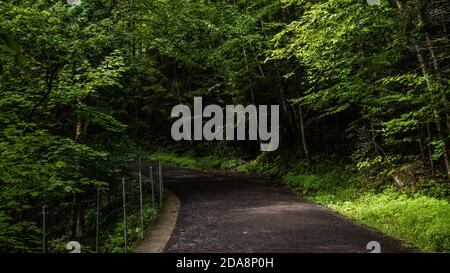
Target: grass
202 163
419 220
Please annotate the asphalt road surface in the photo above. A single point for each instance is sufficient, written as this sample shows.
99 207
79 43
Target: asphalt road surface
222 213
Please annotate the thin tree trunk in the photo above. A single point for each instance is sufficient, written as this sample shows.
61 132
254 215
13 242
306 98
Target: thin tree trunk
248 71
430 153
283 101
78 124
374 139
302 132
76 198
76 216
420 136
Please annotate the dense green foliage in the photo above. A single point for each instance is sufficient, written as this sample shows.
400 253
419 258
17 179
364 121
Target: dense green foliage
83 86
60 135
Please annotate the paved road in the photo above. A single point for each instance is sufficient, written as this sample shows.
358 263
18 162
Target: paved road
241 214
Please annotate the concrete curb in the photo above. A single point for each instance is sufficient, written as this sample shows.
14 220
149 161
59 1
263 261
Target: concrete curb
158 233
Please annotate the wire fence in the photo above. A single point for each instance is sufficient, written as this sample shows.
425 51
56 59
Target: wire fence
113 221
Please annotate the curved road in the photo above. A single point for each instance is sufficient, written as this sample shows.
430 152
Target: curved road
243 214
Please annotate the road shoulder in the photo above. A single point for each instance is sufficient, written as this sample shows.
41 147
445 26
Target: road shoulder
158 234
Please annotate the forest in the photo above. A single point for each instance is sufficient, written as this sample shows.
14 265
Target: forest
362 88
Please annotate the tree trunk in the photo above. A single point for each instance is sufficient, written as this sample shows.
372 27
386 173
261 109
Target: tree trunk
302 132
437 119
430 153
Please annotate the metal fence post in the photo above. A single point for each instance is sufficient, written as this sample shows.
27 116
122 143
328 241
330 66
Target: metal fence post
124 216
140 200
160 184
97 221
44 229
150 176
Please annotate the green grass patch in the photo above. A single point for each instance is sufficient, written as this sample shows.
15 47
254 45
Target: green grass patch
200 163
418 220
